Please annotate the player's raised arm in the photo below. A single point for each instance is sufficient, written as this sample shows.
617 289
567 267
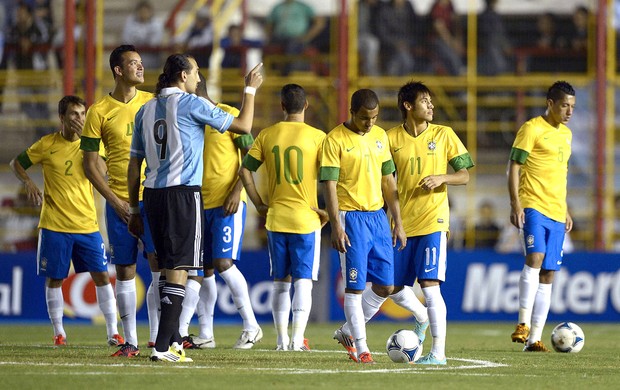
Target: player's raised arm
243 123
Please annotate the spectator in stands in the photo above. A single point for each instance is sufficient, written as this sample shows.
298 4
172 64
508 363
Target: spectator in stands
487 230
292 25
27 41
447 37
494 47
145 31
19 222
367 36
546 32
395 28
578 38
197 41
235 47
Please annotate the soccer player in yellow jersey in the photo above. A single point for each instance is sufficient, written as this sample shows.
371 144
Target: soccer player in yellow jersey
111 121
422 152
290 151
69 231
224 201
357 169
537 179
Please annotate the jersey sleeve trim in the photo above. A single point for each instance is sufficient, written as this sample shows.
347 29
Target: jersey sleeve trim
90 144
463 161
244 141
387 168
329 173
24 160
518 155
251 163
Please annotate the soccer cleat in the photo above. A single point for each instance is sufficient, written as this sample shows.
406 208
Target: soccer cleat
171 355
347 342
127 350
420 329
201 343
366 358
304 347
521 333
431 359
188 342
116 339
536 347
248 338
60 340
282 347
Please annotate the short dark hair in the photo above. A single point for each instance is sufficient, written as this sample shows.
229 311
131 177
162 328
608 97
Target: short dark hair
409 93
65 102
293 98
116 57
364 98
175 64
559 89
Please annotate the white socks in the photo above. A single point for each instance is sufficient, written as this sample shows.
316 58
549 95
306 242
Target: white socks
281 310
107 305
239 288
55 307
153 306
437 316
302 304
540 311
192 291
528 284
206 307
407 299
355 318
126 300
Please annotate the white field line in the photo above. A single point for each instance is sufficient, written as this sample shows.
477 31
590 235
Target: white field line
455 364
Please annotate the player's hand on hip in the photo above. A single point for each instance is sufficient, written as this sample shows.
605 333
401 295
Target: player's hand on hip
262 209
254 78
323 215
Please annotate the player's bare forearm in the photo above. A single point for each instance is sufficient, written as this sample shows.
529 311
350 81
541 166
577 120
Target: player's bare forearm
250 187
95 176
340 240
32 191
390 194
243 123
517 217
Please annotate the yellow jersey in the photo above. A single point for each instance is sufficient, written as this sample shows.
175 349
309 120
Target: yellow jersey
68 201
112 122
358 163
543 152
425 212
222 159
290 152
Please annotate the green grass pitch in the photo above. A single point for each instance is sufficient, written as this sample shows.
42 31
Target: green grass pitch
480 355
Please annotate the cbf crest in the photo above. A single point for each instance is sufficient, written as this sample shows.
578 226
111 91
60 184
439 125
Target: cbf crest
432 145
353 275
379 145
529 240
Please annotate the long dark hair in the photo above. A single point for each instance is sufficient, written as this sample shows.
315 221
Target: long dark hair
175 64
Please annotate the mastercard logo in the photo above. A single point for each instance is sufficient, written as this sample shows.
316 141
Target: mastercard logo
80 295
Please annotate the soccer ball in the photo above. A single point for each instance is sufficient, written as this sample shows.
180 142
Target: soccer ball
567 337
403 346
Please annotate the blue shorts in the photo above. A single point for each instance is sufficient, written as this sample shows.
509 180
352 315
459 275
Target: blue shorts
58 250
223 234
542 234
370 257
294 254
424 258
124 246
